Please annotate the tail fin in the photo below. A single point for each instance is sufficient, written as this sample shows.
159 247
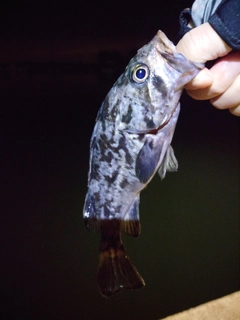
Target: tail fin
116 272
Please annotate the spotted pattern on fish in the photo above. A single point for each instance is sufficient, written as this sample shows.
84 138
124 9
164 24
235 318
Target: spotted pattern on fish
130 142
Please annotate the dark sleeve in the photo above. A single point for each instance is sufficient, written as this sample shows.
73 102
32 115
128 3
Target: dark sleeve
223 16
184 20
226 22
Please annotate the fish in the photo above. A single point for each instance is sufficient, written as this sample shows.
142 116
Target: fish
131 141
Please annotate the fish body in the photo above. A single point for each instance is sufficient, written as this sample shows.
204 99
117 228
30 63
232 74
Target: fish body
130 142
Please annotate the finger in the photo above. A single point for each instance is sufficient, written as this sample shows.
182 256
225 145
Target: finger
202 80
224 72
202 44
235 111
230 98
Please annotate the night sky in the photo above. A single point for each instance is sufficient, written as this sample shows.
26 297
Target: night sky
52 83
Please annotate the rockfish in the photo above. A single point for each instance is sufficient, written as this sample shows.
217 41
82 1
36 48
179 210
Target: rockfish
130 142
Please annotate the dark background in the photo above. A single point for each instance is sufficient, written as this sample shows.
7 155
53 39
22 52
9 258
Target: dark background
57 62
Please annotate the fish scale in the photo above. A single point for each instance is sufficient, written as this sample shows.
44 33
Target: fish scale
131 141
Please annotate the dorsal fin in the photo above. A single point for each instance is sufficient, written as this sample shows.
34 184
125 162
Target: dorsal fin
89 214
92 224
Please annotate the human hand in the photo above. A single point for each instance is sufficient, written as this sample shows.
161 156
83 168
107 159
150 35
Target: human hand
221 83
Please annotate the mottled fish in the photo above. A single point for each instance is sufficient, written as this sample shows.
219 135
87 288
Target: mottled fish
130 142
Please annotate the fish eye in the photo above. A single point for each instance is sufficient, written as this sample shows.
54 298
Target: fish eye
140 73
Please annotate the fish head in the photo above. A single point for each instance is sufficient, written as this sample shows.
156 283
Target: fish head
150 88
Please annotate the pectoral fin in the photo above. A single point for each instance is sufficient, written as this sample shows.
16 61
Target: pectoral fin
169 164
131 224
147 160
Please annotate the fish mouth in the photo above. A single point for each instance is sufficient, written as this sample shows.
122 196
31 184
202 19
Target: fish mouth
155 131
152 131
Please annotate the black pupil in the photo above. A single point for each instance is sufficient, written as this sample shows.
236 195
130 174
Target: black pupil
141 73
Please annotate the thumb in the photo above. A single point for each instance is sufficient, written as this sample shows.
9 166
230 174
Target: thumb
202 44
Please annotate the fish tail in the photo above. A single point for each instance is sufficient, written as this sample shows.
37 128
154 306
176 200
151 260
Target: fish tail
115 270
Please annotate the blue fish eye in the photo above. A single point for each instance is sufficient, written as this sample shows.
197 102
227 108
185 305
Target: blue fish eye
140 73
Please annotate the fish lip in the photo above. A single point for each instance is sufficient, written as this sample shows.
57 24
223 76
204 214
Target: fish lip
154 131
162 125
